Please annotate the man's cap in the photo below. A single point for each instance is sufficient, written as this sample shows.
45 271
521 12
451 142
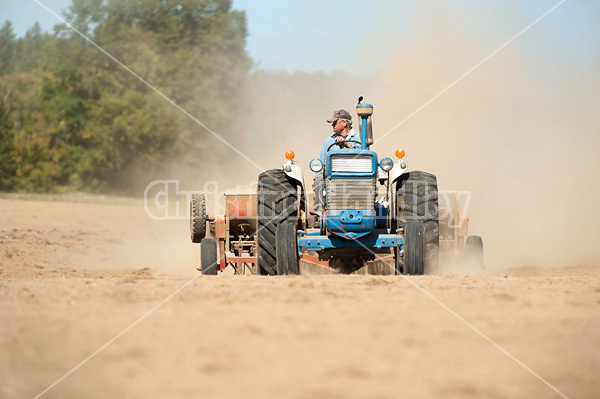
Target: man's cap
340 114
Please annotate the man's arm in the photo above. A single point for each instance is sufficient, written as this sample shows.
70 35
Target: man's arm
329 141
356 137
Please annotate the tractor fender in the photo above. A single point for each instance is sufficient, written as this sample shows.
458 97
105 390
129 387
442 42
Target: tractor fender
398 170
294 172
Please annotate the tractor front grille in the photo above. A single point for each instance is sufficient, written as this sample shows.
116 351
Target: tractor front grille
351 193
352 163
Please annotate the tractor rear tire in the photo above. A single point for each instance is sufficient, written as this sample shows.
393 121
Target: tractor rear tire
277 200
208 257
414 245
197 217
417 198
474 251
287 248
398 262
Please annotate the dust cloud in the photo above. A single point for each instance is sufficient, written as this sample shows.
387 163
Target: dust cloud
520 133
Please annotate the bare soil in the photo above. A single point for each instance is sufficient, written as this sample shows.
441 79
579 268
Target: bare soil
74 275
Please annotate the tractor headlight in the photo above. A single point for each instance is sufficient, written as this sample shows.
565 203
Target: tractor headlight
316 165
386 164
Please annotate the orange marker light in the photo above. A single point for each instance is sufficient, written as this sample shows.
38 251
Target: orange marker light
289 154
400 153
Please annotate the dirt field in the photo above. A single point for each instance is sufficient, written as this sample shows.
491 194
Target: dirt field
74 275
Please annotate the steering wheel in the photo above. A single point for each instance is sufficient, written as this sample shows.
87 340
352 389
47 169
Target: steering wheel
342 142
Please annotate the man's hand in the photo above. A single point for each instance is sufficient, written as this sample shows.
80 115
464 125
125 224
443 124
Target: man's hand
341 138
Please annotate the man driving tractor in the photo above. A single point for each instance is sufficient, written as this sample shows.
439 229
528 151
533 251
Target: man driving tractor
341 121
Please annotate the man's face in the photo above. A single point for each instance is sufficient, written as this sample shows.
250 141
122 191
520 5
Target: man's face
338 126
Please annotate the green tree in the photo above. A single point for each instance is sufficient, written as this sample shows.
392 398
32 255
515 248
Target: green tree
81 121
29 49
8 166
193 51
7 49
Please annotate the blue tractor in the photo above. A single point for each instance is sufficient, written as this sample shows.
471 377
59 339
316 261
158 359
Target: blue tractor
369 207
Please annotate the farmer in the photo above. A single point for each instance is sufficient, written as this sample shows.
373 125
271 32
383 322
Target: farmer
341 121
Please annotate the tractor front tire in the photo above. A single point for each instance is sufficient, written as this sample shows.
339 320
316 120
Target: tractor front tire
287 248
474 251
208 257
417 198
414 245
277 200
197 217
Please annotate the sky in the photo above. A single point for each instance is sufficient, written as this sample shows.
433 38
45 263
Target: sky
357 36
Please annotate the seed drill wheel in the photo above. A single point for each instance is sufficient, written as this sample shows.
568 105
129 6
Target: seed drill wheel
208 257
474 251
417 198
287 248
197 217
277 200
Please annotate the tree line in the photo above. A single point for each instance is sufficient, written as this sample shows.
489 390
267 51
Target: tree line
71 118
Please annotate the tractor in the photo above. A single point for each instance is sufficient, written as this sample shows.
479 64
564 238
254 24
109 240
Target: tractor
368 208
353 225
